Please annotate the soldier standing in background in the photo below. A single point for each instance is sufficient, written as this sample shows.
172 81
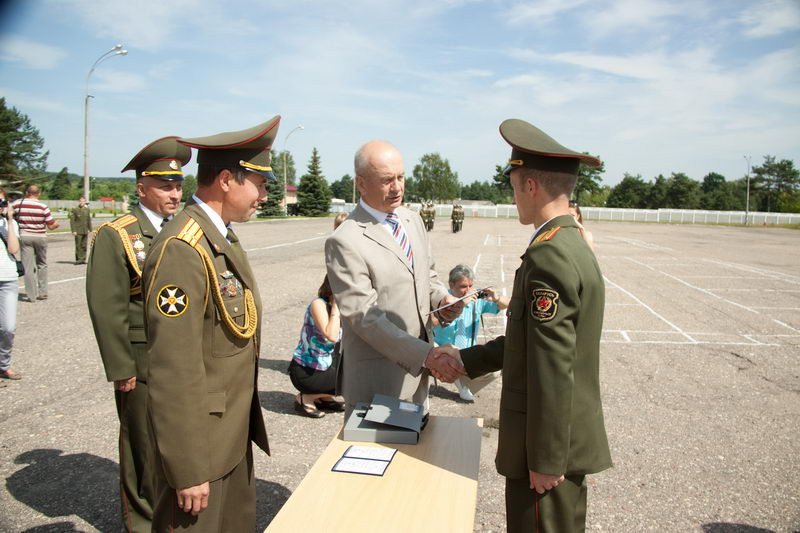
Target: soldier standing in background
114 294
80 224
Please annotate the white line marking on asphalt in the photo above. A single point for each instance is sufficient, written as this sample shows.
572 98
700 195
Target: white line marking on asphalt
751 289
785 325
625 336
486 240
284 244
475 268
779 308
499 240
653 311
764 272
502 269
641 244
64 280
695 287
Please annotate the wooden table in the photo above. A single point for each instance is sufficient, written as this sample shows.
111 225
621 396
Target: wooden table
429 486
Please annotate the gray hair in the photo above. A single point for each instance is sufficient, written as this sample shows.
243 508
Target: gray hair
460 272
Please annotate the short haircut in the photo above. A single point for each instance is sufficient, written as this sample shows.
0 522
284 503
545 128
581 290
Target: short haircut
555 183
339 219
32 190
460 272
206 174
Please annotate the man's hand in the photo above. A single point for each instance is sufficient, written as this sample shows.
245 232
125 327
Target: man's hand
193 500
444 363
451 313
542 482
125 385
74 233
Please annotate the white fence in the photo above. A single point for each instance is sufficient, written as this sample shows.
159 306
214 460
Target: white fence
668 216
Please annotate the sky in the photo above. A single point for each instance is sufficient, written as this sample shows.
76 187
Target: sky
650 86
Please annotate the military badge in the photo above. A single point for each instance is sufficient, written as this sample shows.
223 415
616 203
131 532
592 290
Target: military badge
544 304
231 286
140 255
173 165
226 275
172 301
138 245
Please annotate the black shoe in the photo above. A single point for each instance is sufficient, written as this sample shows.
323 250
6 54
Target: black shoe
330 405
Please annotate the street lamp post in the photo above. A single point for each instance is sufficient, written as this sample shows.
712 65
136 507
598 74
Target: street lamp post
116 51
747 198
285 176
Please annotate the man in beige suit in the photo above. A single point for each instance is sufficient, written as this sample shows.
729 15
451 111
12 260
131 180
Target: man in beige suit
382 273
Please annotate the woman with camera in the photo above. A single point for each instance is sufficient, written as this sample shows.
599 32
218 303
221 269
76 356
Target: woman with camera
9 285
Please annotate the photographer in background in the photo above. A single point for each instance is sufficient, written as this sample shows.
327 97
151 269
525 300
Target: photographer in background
9 285
463 331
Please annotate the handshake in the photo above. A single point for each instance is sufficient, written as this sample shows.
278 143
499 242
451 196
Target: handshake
444 363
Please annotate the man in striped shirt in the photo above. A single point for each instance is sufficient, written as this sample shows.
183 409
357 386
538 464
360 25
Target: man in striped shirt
34 220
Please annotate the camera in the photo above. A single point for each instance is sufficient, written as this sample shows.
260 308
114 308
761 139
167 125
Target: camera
482 294
3 203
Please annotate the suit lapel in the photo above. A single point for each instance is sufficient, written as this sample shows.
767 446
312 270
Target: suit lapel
376 232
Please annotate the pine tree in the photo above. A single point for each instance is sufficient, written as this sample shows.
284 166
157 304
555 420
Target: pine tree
21 147
313 193
61 187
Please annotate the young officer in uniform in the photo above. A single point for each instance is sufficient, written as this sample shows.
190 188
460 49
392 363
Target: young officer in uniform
80 224
114 294
551 419
203 313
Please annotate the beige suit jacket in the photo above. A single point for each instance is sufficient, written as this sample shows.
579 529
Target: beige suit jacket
384 304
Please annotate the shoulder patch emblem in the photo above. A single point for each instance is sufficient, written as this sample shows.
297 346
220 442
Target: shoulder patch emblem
172 301
544 304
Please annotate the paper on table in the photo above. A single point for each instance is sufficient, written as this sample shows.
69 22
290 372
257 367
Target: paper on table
370 452
360 466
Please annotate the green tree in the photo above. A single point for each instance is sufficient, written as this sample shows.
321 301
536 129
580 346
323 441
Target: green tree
275 194
343 188
588 182
277 167
503 184
313 193
718 194
779 182
435 180
22 155
682 192
188 188
597 198
60 187
631 192
657 194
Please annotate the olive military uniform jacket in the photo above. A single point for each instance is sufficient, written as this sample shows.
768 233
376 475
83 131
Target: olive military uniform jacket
551 417
203 312
80 220
385 304
114 294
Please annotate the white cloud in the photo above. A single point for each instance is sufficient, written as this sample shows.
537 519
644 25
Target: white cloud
539 12
771 17
115 81
25 100
30 54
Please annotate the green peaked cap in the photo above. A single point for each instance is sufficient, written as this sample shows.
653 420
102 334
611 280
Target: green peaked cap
247 149
533 148
162 159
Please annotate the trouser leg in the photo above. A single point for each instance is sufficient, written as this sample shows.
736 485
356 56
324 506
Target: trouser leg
40 246
137 491
26 244
8 320
80 247
231 503
561 510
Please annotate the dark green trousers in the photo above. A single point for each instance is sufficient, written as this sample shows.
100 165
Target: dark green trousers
561 510
137 486
81 239
231 503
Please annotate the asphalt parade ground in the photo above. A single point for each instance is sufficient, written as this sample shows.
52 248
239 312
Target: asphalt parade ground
700 373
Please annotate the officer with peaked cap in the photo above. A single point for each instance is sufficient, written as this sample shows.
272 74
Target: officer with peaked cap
552 432
114 295
203 313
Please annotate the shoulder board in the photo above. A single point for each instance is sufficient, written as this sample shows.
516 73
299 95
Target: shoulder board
123 221
191 233
547 235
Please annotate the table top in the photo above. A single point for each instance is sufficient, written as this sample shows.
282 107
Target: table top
429 486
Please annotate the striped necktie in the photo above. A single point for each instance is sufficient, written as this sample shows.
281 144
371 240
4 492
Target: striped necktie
400 236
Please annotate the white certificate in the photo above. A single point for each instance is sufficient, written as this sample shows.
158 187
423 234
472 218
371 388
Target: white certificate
370 452
360 466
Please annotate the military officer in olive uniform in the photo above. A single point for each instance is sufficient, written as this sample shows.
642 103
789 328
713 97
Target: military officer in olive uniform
552 432
203 313
80 224
114 294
